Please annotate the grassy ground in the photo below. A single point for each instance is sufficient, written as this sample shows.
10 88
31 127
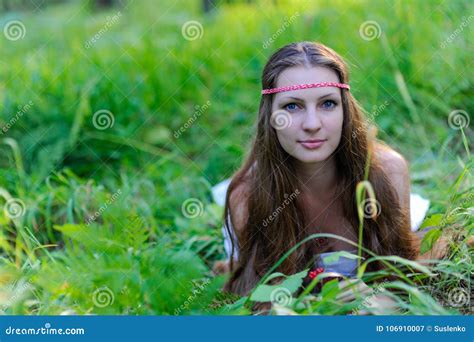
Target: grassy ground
116 216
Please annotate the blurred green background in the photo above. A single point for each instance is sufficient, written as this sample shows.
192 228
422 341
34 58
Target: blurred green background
131 108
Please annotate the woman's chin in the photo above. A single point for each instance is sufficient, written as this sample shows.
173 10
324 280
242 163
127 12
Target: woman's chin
311 157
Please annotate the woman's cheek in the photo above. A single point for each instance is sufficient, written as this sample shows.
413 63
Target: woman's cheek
287 139
335 127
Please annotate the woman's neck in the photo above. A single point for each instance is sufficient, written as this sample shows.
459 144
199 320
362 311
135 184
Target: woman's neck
320 178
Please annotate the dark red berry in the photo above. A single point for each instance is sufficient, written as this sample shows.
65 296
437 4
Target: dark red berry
313 274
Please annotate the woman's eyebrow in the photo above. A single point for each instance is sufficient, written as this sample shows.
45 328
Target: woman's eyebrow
298 99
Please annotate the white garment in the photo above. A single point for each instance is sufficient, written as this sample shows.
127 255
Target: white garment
418 208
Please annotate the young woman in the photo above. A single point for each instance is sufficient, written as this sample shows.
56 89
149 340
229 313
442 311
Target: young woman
310 151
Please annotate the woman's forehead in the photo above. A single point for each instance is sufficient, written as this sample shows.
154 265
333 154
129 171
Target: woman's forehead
303 75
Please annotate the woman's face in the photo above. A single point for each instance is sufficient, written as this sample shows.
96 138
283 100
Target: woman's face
308 122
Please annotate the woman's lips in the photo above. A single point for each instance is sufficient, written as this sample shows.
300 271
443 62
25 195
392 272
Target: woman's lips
312 144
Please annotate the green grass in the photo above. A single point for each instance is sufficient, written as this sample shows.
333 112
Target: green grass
141 254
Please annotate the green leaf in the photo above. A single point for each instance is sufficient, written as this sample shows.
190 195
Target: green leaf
293 282
361 270
433 220
334 257
330 289
273 276
158 135
263 293
403 261
429 240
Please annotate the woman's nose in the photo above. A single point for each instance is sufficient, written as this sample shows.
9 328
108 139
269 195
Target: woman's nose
312 121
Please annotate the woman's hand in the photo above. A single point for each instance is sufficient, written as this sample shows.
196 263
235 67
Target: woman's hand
375 301
438 251
221 267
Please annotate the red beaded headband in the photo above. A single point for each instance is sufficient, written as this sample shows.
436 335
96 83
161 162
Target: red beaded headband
305 86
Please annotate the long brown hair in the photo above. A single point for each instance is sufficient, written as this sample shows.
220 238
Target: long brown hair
270 176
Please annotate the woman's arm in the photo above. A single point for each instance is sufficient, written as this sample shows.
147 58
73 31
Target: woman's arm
397 170
238 212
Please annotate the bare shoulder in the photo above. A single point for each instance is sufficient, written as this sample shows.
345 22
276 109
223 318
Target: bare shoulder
396 168
391 161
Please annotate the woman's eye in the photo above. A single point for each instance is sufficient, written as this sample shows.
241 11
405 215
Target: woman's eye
329 104
291 107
